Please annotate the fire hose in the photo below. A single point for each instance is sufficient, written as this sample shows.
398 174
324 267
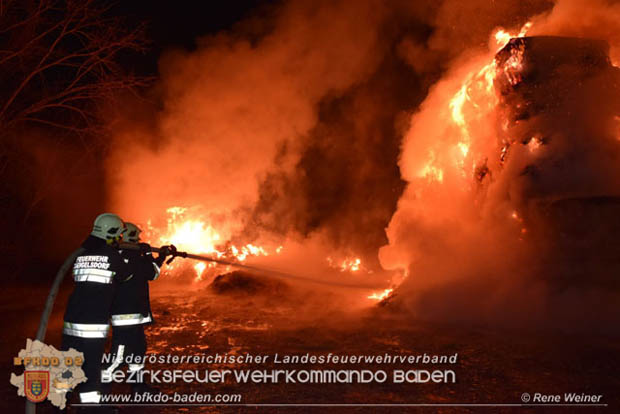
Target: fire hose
260 270
49 304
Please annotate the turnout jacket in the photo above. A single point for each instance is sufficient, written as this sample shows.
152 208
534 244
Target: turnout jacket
96 273
131 305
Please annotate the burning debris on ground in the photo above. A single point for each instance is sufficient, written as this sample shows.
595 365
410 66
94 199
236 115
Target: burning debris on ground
244 283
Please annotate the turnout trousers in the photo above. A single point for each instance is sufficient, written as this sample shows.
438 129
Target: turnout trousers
127 341
92 348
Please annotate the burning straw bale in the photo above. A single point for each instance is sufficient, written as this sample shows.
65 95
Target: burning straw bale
525 170
552 105
245 283
538 79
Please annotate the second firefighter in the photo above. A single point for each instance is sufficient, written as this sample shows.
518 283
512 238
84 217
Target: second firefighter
131 309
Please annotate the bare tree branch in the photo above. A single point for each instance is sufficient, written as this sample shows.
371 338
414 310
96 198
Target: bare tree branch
66 66
59 65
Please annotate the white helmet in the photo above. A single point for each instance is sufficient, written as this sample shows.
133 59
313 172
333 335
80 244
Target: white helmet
132 233
108 226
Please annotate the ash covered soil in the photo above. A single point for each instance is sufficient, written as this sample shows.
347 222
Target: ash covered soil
262 317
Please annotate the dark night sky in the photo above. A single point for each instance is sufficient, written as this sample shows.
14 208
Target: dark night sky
180 23
168 25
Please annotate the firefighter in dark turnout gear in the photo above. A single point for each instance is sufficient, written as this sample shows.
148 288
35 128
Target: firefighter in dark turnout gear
131 309
96 273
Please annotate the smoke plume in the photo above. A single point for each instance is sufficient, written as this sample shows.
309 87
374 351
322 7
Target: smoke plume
287 125
507 216
346 126
231 105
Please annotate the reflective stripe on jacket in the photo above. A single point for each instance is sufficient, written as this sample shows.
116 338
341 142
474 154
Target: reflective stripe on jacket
93 275
130 319
86 330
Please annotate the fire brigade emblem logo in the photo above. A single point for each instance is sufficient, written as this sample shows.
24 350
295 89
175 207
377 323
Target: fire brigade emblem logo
37 385
48 374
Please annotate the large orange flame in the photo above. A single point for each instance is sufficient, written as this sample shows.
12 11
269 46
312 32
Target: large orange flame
191 232
471 102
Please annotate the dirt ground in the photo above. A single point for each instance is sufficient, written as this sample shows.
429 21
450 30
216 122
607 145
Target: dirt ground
493 366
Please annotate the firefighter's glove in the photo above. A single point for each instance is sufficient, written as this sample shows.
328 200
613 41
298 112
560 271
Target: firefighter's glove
172 252
165 251
144 248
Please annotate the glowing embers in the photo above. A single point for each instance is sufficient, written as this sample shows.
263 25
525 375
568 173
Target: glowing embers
432 173
535 143
513 66
349 264
504 152
382 295
516 217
